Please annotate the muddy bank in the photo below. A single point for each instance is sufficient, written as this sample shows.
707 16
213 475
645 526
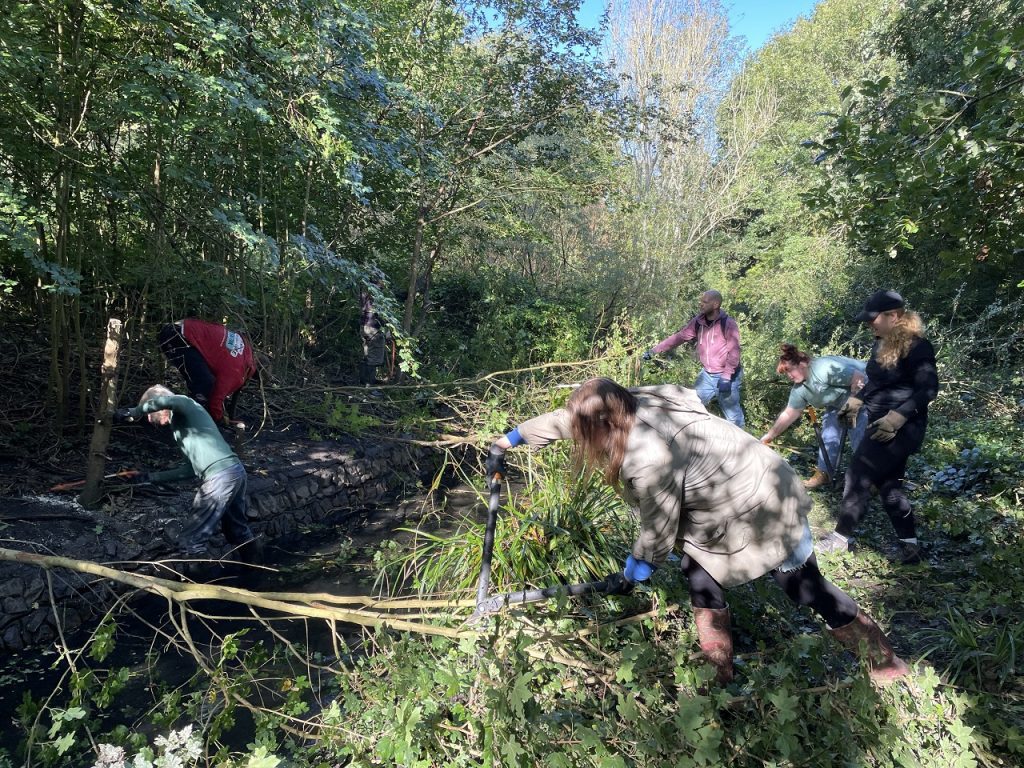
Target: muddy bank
293 484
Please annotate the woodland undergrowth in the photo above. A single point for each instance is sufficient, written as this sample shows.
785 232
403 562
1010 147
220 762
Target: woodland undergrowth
608 681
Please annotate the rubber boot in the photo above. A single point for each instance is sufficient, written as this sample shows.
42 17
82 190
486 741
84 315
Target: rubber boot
819 479
865 638
714 632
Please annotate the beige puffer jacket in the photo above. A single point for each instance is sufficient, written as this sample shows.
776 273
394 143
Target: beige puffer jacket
702 484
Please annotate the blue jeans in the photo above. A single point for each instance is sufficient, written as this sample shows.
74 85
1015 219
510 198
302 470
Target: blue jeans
707 390
832 432
221 501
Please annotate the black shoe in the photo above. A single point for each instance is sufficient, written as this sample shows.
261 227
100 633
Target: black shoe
910 553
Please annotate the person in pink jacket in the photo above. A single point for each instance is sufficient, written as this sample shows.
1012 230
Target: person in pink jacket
731 507
716 338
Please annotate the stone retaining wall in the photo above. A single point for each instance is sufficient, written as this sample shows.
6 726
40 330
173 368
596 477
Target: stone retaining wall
290 487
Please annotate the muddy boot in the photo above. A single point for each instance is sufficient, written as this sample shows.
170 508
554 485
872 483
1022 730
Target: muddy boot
714 632
865 638
820 479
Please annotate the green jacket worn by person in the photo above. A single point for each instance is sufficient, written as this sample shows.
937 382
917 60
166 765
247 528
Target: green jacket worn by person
730 505
823 383
221 495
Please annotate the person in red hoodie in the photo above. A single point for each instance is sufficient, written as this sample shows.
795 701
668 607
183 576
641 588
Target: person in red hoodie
214 361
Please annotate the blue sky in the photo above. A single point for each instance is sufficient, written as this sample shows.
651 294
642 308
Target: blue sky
755 20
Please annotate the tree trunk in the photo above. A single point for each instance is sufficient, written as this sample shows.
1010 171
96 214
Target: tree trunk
428 275
104 409
414 276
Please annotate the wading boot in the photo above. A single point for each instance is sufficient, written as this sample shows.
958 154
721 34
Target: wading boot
820 479
714 632
866 640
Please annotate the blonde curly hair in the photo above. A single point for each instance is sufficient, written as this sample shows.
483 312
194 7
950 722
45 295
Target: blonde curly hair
896 345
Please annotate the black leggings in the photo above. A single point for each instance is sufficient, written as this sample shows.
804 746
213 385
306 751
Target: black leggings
190 364
804 586
883 466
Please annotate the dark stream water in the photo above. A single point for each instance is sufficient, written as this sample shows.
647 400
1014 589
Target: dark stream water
326 560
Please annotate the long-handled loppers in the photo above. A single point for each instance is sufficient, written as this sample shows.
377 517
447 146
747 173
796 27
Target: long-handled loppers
839 456
833 470
487 603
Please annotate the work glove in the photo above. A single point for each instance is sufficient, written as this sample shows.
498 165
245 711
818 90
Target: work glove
647 356
495 464
849 411
885 428
724 387
637 570
124 416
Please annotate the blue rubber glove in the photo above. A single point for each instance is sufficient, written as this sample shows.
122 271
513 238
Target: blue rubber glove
724 387
637 570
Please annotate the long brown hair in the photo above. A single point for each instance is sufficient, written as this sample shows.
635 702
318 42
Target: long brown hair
601 415
790 358
896 345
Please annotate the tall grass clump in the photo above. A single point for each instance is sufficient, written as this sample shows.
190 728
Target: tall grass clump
552 528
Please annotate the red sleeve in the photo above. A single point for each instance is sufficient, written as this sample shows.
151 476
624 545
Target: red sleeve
217 395
229 356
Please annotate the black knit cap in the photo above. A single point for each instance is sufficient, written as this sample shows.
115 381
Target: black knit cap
878 302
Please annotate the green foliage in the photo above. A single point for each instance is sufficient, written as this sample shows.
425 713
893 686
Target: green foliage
785 276
567 683
558 532
103 640
931 160
983 653
346 416
503 697
178 749
488 321
283 155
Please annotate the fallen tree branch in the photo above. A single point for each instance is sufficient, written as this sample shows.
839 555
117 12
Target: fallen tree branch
289 603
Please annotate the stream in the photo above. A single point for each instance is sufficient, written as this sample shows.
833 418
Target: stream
325 559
